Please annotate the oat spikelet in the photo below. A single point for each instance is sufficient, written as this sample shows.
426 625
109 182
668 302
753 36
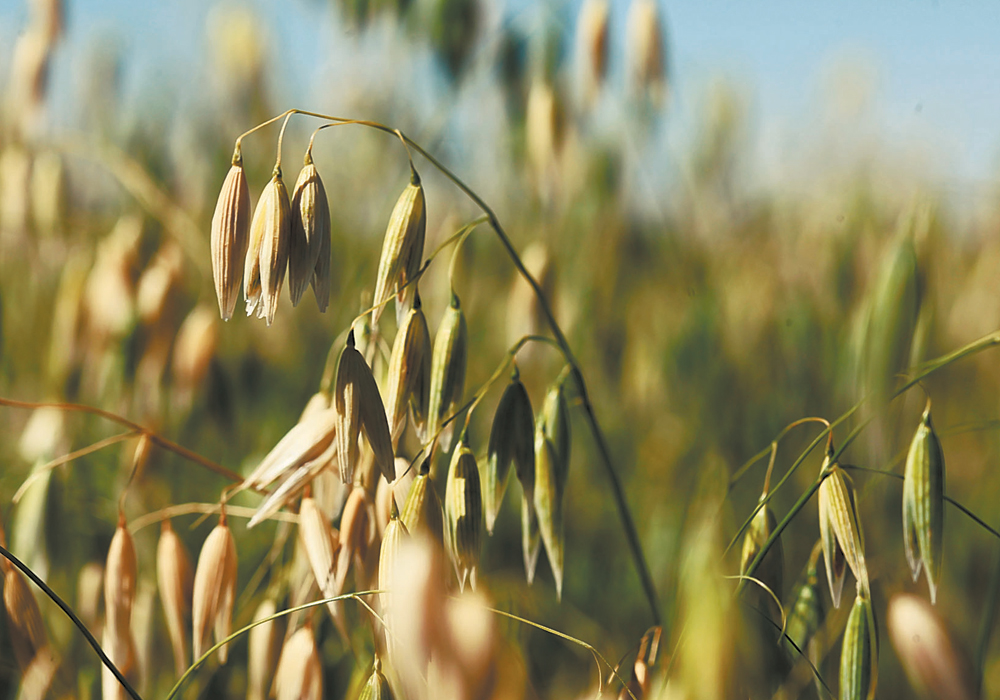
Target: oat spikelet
511 441
923 503
231 236
646 63
409 373
377 687
388 558
858 655
549 508
402 249
119 599
263 652
214 589
931 654
770 572
24 618
321 543
310 225
463 503
840 531
174 577
422 511
359 407
119 581
300 672
355 530
806 613
592 45
448 363
267 257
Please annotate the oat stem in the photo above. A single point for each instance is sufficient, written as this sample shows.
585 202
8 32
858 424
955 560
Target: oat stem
154 437
604 451
923 371
72 616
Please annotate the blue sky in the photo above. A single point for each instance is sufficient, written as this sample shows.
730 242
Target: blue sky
930 70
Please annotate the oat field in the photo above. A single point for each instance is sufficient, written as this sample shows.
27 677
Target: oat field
464 380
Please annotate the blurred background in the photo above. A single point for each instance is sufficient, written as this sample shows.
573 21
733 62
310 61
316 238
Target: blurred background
743 214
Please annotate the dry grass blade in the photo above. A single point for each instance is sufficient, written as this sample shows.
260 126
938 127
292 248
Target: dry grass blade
214 589
403 244
230 236
306 441
463 504
175 579
923 503
310 229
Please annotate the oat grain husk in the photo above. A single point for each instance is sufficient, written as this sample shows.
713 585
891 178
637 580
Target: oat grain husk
267 256
231 236
214 590
360 408
175 579
448 365
402 249
511 441
309 230
463 505
923 503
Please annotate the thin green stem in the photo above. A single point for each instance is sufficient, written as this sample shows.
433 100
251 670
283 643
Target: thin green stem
72 616
925 370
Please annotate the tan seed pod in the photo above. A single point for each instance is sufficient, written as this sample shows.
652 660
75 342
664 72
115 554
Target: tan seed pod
194 349
355 527
270 230
377 687
24 618
398 491
388 558
923 503
463 505
858 661
511 441
409 372
300 671
38 676
549 506
310 225
592 41
403 247
263 652
931 654
121 652
359 407
321 543
840 531
119 583
422 511
448 363
214 589
175 580
231 236
646 64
